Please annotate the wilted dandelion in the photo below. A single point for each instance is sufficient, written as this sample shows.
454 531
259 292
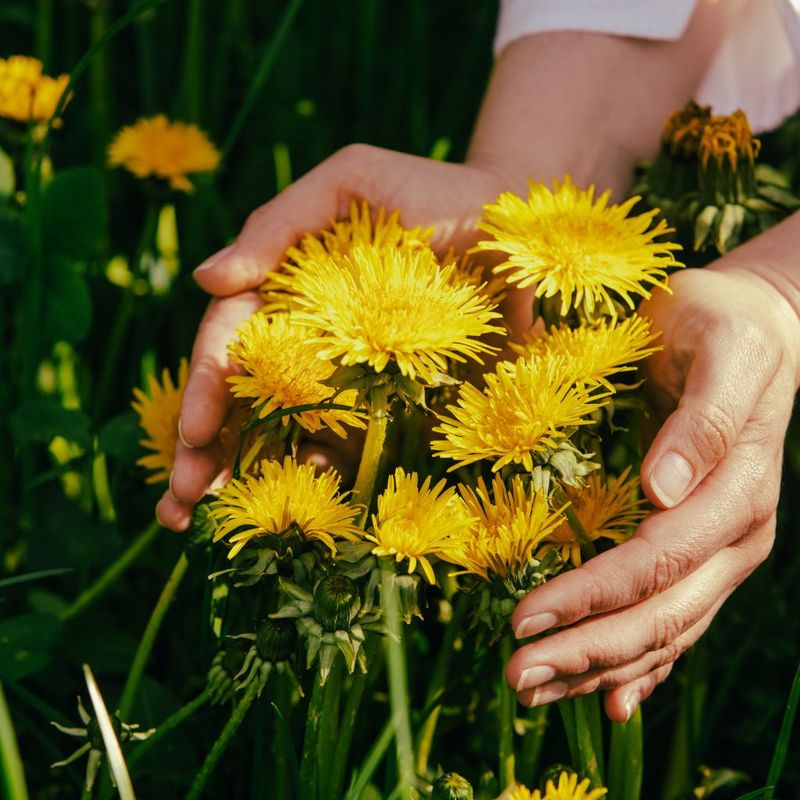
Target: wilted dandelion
167 150
285 497
414 523
159 413
283 370
527 408
582 249
26 94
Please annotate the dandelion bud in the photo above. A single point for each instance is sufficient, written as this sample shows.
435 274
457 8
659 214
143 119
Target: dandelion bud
95 737
275 640
336 603
451 786
203 526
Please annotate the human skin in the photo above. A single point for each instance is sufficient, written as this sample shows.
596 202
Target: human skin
548 111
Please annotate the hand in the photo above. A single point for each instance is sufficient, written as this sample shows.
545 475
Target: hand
722 392
446 196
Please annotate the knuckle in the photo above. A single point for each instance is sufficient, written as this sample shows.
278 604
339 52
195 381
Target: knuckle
712 432
667 626
668 566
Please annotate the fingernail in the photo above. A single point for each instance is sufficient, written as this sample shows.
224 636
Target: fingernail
212 260
631 704
180 434
535 676
158 519
670 479
534 624
548 694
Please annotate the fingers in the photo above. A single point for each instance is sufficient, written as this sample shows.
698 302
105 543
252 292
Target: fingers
207 400
619 647
669 545
714 407
173 514
621 703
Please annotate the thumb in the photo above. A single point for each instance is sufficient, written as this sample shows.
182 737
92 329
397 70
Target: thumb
309 204
723 384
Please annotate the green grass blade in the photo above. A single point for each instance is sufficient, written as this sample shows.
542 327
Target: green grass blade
34 576
12 774
371 762
782 745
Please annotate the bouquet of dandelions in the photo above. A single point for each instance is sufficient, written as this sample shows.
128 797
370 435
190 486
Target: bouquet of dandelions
364 327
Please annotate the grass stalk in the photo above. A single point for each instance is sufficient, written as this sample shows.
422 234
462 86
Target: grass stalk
506 702
785 734
12 773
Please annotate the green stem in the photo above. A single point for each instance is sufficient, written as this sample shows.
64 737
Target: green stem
506 702
11 771
150 632
587 545
347 727
110 576
437 682
589 760
219 747
261 74
567 712
528 764
371 454
397 673
308 764
782 745
329 724
169 724
625 760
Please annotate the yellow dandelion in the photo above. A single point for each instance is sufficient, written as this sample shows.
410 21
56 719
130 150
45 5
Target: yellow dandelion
528 407
26 94
728 140
159 412
510 525
606 509
283 370
684 129
282 495
595 351
568 788
168 150
568 243
393 306
414 523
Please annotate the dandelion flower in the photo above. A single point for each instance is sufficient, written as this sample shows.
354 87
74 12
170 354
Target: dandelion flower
595 351
283 370
568 788
26 94
527 408
727 140
415 522
510 525
168 150
684 129
158 416
570 244
395 305
607 510
282 495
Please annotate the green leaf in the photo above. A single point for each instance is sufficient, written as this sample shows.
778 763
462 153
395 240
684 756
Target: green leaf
75 211
702 226
42 420
24 644
8 180
13 248
34 576
68 304
119 438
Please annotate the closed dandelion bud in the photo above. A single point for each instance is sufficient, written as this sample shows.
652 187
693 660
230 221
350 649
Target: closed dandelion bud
276 640
451 786
336 603
288 543
203 527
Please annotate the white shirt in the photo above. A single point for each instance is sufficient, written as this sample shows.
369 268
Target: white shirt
756 68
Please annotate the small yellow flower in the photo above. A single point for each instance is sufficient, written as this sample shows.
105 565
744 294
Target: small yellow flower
595 351
26 94
283 370
415 523
567 243
158 416
168 150
510 524
527 408
283 494
607 510
381 306
568 788
728 140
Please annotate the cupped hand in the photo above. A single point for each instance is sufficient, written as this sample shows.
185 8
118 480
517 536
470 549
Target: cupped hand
427 193
721 394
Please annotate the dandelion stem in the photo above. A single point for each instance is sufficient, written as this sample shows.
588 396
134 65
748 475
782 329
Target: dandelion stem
149 636
308 764
528 766
114 571
506 711
589 761
223 740
625 760
329 724
371 454
587 545
396 668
